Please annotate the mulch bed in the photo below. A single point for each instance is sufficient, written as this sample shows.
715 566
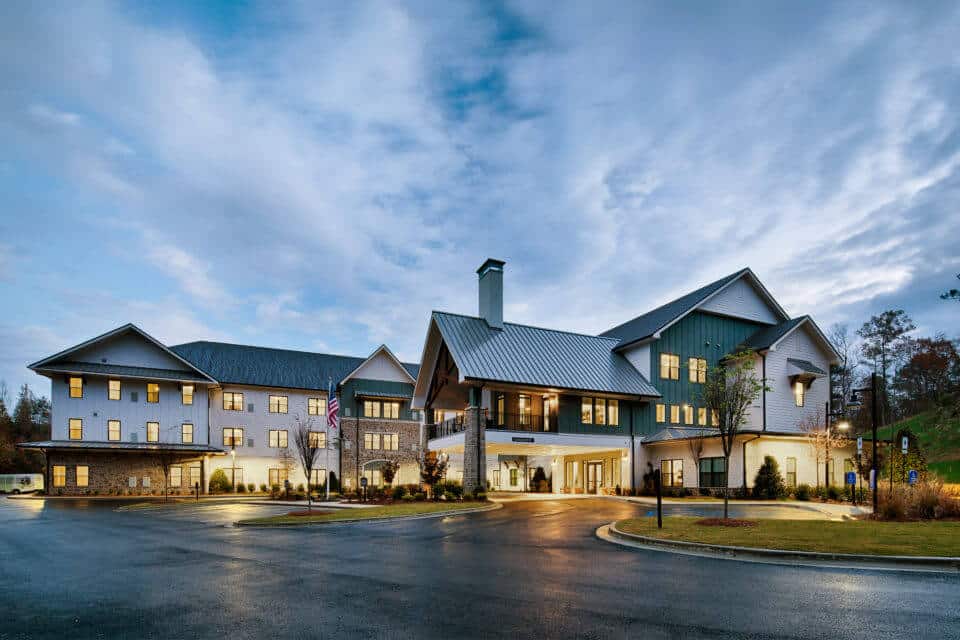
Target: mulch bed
308 513
729 522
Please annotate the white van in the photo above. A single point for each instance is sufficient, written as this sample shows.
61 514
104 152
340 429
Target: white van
20 482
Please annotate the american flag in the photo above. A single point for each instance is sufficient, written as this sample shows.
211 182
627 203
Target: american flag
333 406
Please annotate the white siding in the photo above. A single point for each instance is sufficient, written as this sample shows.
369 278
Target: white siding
639 357
782 412
382 367
129 349
741 300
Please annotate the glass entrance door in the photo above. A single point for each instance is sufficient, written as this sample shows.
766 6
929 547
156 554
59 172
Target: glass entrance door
594 476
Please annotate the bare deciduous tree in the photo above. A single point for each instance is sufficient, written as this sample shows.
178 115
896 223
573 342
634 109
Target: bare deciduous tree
307 451
821 440
695 446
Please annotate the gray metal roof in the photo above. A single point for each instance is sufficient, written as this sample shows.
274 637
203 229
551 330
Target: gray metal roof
360 393
680 433
768 336
123 371
120 446
522 354
649 323
806 365
266 367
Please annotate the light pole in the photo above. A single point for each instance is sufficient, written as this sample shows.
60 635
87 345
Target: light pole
854 402
233 469
842 425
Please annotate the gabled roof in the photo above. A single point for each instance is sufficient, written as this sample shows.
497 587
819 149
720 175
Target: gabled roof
46 364
651 323
770 337
121 446
521 354
266 367
123 371
410 370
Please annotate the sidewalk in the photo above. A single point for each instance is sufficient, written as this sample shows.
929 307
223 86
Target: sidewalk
828 508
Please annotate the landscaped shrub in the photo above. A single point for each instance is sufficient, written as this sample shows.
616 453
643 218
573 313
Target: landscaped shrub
334 483
398 492
926 500
263 488
480 495
802 492
219 483
833 493
407 497
447 486
241 488
300 488
449 496
539 482
251 487
768 484
419 496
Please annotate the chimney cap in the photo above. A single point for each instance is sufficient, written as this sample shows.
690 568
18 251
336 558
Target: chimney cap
491 264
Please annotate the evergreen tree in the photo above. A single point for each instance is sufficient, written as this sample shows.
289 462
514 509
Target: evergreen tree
768 483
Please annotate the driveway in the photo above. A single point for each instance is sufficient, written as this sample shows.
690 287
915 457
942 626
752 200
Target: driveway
532 568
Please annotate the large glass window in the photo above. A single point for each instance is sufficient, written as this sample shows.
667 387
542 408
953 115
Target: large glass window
661 413
232 401
371 409
674 414
277 476
687 414
391 410
278 404
391 441
83 475
669 366
153 432
194 475
59 475
501 409
713 472
374 477
316 406
317 440
698 370
113 390
176 476
791 470
613 413
318 477
671 473
232 437
76 428
153 392
186 394
525 409
702 417
371 441
113 430
278 438
186 433
76 387
586 411
799 391
600 411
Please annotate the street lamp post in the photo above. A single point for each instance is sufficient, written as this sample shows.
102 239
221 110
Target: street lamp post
233 468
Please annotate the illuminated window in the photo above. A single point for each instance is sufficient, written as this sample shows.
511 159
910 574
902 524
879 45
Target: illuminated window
186 394
186 433
277 477
278 438
391 441
176 476
514 477
83 475
371 441
669 366
698 370
317 406
76 387
712 472
318 440
232 437
600 411
714 419
374 477
278 404
586 411
501 409
391 410
613 413
687 414
702 417
674 414
113 430
195 475
671 473
153 432
318 477
113 390
799 390
661 413
371 409
791 472
59 475
76 429
525 409
153 392
232 401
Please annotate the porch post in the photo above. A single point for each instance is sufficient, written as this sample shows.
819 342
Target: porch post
474 445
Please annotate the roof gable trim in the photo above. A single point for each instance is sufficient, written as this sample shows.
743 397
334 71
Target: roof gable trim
390 355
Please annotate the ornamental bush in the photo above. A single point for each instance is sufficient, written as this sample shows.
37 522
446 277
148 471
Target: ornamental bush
802 492
219 483
398 492
769 483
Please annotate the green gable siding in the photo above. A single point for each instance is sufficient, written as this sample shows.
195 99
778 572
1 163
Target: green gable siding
350 402
698 335
569 418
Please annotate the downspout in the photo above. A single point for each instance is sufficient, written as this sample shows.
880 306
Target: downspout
763 365
633 452
356 468
743 462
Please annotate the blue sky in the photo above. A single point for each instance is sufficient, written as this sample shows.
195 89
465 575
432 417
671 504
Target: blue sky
320 176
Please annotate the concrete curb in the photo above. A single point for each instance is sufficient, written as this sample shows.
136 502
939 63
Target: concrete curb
928 564
421 516
826 508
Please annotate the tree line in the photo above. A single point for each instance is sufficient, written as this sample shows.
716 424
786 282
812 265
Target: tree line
29 421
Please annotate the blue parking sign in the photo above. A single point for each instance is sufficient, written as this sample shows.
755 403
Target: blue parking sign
851 477
913 476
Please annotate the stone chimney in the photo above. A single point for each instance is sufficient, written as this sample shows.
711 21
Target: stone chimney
491 292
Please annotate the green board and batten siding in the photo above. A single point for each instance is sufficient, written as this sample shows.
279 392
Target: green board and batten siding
351 403
698 335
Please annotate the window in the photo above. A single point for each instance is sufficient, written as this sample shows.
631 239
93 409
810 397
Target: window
59 475
374 477
791 472
687 414
613 413
153 431
712 472
317 440
391 441
232 401
371 409
232 437
113 390
391 410
669 366
278 404
76 387
671 473
501 408
278 438
277 476
525 409
317 406
318 477
674 414
83 475
702 417
714 419
153 392
186 394
113 430
698 370
799 390
600 411
586 411
661 413
176 476
186 433
194 475
514 477
76 429
371 441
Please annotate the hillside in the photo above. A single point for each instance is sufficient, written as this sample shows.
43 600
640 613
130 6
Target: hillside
941 448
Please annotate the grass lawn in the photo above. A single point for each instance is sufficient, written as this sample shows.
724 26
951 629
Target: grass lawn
939 538
939 446
391 511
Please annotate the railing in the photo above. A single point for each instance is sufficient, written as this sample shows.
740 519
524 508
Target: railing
448 427
520 422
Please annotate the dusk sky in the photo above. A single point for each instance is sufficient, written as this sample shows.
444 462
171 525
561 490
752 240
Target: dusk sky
319 176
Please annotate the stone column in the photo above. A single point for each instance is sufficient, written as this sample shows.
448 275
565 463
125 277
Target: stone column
474 445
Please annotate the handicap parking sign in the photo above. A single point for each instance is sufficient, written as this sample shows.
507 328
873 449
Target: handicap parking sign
913 476
851 477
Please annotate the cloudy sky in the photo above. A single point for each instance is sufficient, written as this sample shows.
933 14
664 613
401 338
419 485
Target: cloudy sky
319 177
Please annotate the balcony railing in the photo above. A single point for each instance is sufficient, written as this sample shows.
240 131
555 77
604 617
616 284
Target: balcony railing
448 427
504 421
